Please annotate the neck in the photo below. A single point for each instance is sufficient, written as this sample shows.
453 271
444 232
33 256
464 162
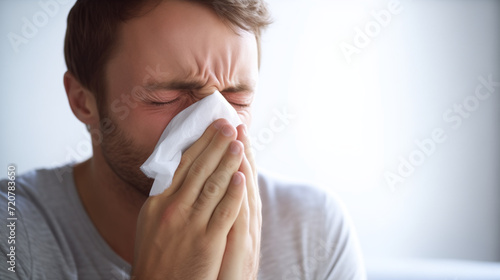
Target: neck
112 204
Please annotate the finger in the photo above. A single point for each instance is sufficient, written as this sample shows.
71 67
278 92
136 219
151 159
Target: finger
191 154
205 164
228 208
245 139
233 263
217 184
250 173
242 223
248 167
252 222
251 184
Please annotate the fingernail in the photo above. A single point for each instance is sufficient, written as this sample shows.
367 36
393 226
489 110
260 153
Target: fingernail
218 124
244 129
234 148
236 179
227 131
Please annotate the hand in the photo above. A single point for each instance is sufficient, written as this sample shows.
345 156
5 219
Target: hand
241 257
182 233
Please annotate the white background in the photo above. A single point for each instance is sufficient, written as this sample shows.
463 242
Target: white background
352 121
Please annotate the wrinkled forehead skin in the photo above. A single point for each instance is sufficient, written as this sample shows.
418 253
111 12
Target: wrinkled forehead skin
184 41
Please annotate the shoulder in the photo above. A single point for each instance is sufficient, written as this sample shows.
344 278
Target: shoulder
35 190
33 198
39 191
306 232
38 183
282 196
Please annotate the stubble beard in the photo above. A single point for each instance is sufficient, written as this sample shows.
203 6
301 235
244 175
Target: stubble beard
125 157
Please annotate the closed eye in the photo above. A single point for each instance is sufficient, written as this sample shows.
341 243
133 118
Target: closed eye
154 103
240 105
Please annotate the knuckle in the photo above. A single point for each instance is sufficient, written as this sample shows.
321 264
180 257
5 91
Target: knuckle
214 185
201 203
186 161
212 188
230 163
225 214
198 168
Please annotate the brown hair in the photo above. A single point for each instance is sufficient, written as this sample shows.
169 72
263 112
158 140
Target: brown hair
91 34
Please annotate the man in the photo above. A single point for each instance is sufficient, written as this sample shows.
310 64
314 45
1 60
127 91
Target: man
132 66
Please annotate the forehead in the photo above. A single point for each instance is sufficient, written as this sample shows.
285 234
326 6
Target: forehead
186 40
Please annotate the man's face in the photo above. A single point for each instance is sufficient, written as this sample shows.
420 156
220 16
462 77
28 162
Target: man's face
166 60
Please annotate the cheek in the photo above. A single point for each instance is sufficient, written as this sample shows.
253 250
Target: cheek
146 123
146 127
245 115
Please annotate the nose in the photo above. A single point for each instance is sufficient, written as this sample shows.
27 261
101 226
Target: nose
193 97
201 93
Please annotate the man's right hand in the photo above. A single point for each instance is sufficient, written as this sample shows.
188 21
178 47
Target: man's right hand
181 233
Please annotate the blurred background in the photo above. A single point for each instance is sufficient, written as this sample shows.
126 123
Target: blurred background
392 105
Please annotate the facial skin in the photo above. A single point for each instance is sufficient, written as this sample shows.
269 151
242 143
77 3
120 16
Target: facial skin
193 54
172 56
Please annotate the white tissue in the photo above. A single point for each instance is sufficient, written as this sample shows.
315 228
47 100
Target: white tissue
182 131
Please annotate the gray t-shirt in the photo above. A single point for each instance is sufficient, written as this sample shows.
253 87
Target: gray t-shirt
305 233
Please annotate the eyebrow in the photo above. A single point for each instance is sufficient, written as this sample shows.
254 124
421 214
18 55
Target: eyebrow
192 85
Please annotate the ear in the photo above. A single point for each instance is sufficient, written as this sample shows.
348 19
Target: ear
81 100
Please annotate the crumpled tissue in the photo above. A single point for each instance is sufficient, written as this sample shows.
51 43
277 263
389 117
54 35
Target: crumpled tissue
182 131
